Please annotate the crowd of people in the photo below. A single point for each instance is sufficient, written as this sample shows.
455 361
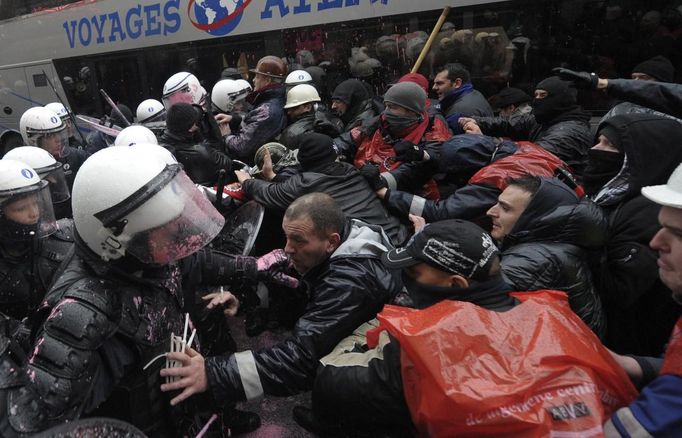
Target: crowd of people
112 246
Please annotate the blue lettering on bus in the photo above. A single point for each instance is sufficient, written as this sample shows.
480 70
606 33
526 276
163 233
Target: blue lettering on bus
269 4
155 19
302 8
81 32
134 27
153 12
171 13
98 22
116 27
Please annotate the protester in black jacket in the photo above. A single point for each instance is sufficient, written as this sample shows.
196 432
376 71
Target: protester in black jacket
201 162
545 232
362 387
633 151
322 173
304 116
340 267
353 104
557 123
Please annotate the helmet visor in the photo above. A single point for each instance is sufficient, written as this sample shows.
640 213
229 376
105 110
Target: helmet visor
57 183
190 223
181 95
54 142
27 214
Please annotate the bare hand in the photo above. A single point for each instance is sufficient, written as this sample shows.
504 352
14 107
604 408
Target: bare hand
223 123
267 171
192 375
418 222
223 299
469 125
242 176
381 193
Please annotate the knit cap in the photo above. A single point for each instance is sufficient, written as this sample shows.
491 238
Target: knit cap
315 151
181 117
658 67
408 95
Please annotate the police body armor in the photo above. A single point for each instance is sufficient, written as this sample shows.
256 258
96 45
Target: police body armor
25 279
99 330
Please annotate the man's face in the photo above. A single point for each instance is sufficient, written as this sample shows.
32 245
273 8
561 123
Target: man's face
297 111
604 144
339 107
24 211
668 243
507 111
305 247
399 110
54 143
260 82
540 94
642 77
442 85
428 275
510 205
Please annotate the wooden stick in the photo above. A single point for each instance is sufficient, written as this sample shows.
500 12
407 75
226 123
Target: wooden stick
432 37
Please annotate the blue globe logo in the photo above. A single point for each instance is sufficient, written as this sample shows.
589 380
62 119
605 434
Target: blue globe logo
216 17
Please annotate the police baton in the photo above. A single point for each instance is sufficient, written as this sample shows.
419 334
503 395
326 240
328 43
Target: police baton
114 107
68 111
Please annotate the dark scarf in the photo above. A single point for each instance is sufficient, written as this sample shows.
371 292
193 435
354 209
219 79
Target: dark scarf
454 95
492 294
601 167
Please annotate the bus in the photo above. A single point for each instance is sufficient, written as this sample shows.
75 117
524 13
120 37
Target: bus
129 48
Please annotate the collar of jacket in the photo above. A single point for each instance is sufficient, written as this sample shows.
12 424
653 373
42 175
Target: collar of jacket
454 95
272 91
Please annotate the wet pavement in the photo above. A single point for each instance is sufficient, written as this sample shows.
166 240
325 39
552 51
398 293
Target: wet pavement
275 412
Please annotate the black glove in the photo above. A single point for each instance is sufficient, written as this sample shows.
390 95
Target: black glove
371 173
407 152
581 79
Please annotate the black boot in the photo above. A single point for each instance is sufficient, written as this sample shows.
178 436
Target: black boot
240 422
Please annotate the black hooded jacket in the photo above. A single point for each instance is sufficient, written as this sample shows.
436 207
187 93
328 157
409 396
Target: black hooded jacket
556 123
360 107
639 308
547 249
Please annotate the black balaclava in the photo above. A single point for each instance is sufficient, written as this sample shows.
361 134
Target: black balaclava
603 165
561 98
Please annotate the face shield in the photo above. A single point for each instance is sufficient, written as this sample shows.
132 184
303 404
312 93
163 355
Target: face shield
56 179
181 95
54 142
164 221
27 213
70 129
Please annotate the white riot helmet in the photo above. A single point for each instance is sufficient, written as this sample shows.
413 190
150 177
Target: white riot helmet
245 84
130 201
226 93
301 94
182 87
63 114
298 77
46 166
25 204
134 134
43 128
150 110
160 151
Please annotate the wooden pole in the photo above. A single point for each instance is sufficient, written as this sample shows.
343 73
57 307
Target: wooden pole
432 37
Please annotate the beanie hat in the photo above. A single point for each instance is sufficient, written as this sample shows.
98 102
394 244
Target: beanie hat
658 67
612 134
418 79
408 95
511 96
181 117
315 151
127 113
